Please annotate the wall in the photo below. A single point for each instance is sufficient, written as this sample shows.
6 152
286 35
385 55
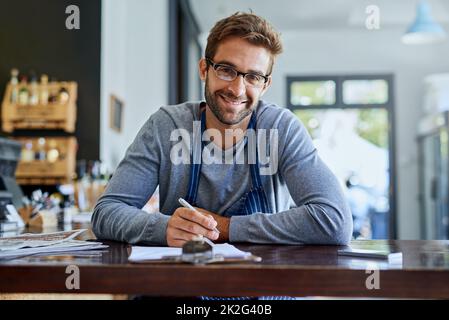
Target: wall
134 67
362 51
33 36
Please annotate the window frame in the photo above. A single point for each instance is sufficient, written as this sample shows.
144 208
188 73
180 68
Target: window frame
339 104
184 31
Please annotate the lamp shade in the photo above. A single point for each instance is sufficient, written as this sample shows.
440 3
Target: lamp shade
424 30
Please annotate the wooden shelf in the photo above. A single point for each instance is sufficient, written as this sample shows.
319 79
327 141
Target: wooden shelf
43 171
42 181
46 117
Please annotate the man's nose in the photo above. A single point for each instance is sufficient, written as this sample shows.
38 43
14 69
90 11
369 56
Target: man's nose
237 86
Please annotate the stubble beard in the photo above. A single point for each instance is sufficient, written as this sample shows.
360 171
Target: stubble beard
212 102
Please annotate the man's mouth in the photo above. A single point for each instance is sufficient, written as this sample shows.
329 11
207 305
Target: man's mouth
233 101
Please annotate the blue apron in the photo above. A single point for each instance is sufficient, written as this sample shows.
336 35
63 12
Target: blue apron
253 201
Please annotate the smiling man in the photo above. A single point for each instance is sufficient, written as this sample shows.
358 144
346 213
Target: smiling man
297 201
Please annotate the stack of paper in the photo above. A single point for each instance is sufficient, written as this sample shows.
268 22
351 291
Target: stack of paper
45 243
392 257
226 250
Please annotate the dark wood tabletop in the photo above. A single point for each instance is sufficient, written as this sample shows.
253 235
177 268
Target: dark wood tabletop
285 270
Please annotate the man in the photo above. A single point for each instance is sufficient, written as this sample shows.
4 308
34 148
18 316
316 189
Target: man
234 201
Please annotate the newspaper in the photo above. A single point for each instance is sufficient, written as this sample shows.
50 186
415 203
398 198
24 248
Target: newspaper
45 243
32 240
65 247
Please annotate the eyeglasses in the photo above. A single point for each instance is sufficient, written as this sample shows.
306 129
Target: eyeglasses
228 73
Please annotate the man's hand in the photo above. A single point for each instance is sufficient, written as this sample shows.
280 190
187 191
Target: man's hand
185 224
222 224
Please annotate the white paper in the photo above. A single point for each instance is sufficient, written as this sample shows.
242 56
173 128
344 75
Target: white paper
33 240
68 246
156 253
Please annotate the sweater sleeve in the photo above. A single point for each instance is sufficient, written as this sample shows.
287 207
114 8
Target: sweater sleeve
117 214
322 215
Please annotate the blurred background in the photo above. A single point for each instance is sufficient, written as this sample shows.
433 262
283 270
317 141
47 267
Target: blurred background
369 80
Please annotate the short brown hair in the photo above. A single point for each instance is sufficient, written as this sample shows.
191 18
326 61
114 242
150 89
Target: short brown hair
249 27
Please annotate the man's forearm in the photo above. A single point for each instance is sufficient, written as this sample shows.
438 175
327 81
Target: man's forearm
308 224
117 221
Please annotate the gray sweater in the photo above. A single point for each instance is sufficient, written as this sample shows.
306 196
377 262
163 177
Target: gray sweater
308 202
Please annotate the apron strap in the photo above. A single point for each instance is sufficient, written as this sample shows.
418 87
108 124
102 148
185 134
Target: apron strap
195 166
257 200
254 167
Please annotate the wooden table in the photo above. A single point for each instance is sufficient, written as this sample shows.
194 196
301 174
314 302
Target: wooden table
284 270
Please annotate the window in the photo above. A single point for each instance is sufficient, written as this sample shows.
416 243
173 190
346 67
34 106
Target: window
365 91
350 120
306 93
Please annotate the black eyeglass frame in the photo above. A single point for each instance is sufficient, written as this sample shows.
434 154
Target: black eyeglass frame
243 74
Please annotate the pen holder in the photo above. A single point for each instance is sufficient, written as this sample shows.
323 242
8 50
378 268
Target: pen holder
25 212
44 218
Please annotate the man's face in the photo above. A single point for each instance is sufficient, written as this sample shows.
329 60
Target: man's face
233 101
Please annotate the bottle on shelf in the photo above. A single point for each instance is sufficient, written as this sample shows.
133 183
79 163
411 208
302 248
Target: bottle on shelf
27 152
34 92
69 209
63 96
23 92
41 153
14 86
44 94
53 152
83 186
53 96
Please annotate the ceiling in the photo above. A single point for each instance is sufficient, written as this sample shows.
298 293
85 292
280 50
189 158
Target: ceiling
295 15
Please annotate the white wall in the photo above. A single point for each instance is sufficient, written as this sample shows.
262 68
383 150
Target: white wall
380 51
134 67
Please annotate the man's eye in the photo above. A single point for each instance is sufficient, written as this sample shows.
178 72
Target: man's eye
253 77
226 70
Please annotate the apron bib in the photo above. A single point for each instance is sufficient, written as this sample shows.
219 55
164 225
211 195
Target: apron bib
255 200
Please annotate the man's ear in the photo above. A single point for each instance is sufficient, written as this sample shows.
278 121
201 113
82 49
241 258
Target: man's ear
202 69
266 86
